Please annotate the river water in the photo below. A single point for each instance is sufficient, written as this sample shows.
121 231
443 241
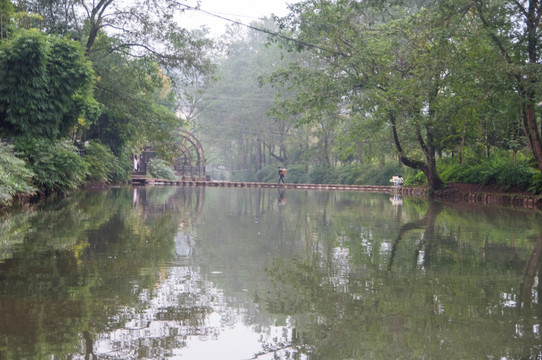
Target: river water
228 273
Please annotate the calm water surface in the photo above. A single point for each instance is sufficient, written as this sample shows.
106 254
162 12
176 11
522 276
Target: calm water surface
220 273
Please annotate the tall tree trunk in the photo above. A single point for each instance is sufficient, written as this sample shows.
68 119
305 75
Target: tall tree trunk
526 81
462 145
429 167
533 133
95 21
433 180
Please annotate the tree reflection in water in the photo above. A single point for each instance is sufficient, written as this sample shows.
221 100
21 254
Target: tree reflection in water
146 273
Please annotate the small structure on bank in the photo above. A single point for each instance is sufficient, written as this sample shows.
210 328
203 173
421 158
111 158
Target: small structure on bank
189 162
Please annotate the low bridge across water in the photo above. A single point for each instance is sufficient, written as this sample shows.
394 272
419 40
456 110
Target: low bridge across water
142 180
530 202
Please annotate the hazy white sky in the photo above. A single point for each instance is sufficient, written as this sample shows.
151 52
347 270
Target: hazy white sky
243 11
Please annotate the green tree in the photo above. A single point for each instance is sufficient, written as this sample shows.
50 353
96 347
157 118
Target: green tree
316 105
132 115
147 27
45 86
140 55
6 11
348 73
410 67
513 28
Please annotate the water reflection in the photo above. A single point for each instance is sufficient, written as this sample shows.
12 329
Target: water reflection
282 196
396 200
195 273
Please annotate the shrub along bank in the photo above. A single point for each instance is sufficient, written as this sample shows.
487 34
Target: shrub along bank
30 167
499 172
41 167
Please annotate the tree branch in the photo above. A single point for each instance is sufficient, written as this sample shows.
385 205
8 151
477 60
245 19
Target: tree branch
414 164
275 156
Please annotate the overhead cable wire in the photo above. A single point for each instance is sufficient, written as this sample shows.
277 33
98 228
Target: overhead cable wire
265 31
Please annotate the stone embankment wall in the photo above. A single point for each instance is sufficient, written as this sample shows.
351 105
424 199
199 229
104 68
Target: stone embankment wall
489 198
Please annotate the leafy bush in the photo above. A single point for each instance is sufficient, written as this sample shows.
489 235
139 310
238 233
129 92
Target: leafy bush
536 184
122 172
296 174
483 174
375 174
348 174
268 173
417 179
498 170
161 170
102 163
510 176
322 175
15 178
57 165
450 172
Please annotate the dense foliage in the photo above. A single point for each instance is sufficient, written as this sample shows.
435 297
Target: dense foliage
445 88
15 177
103 165
57 165
336 91
45 85
161 170
78 101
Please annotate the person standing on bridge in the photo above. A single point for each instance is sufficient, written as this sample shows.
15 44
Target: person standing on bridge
282 172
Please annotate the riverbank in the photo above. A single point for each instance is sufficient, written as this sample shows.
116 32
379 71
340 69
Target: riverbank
488 195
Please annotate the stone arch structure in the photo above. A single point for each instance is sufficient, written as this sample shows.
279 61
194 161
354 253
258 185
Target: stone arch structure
190 163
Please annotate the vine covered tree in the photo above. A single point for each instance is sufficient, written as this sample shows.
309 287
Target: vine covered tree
45 86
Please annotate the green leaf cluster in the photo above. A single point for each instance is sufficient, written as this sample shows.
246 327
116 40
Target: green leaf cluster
267 174
15 178
103 165
45 83
160 169
57 165
536 184
378 174
497 170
